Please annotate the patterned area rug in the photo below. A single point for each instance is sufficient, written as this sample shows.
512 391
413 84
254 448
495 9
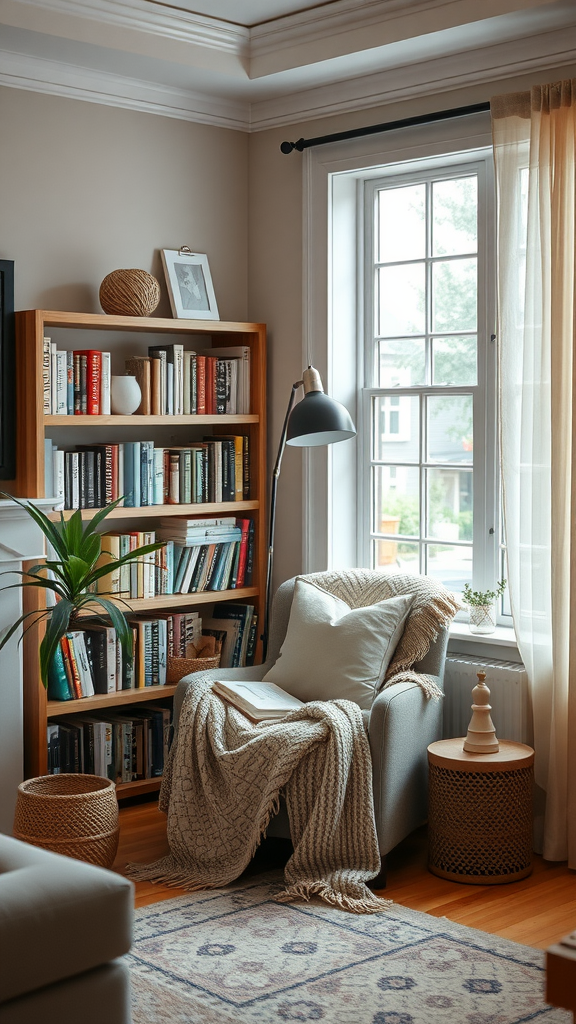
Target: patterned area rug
234 956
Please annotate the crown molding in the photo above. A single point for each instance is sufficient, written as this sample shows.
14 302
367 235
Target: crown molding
373 23
154 19
440 74
35 74
443 74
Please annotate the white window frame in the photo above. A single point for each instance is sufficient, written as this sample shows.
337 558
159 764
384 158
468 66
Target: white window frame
332 321
486 522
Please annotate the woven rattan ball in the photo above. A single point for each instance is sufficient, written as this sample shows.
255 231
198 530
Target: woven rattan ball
129 293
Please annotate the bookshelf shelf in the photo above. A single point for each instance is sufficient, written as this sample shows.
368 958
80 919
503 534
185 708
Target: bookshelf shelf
155 511
105 700
34 426
168 601
151 421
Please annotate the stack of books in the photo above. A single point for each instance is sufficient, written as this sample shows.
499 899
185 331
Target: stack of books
119 744
236 626
209 554
91 476
176 382
75 383
91 660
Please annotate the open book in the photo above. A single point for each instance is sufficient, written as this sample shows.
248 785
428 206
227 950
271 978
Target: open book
258 701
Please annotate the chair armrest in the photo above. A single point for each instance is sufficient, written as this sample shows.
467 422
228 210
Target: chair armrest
403 722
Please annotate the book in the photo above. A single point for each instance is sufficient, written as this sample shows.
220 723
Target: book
61 384
105 383
46 375
258 701
58 685
241 613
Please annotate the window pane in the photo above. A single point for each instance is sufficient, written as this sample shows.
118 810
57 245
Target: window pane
396 428
396 500
454 216
451 565
449 504
401 362
401 224
401 300
449 428
406 558
454 296
454 360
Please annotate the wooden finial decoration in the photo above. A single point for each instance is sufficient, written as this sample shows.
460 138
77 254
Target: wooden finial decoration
481 737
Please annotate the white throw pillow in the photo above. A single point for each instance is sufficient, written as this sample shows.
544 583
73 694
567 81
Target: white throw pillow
332 651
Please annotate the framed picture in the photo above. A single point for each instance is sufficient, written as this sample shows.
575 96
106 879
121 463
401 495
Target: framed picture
7 373
189 284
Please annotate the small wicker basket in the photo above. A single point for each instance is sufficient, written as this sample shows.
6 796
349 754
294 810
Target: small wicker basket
72 814
180 667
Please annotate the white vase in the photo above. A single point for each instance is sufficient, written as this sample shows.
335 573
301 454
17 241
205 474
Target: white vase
125 395
482 618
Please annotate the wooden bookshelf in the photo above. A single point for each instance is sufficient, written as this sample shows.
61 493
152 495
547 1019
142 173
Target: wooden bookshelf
109 333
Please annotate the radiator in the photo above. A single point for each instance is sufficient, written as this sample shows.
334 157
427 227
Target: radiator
509 697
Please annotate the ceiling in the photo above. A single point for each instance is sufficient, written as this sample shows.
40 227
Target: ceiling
247 12
254 64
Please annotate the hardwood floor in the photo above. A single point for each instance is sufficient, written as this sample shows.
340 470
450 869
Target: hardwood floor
536 911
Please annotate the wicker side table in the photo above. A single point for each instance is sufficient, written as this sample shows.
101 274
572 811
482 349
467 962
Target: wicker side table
480 812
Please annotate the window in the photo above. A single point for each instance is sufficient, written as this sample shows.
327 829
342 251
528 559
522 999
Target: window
427 475
352 189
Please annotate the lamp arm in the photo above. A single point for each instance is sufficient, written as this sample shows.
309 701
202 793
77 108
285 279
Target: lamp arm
272 523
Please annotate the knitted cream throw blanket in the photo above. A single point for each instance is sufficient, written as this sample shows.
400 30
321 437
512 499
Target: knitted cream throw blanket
223 783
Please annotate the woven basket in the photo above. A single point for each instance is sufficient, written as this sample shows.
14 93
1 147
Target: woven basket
180 667
72 814
129 293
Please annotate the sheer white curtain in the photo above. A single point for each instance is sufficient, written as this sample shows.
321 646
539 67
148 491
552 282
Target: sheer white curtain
534 150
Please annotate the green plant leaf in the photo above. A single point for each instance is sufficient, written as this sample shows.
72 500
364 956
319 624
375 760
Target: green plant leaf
55 629
118 620
77 570
94 522
91 548
73 532
117 563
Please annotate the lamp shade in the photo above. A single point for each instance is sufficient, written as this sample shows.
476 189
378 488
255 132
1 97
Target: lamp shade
317 420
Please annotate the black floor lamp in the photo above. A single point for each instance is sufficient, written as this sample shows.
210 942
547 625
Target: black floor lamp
316 420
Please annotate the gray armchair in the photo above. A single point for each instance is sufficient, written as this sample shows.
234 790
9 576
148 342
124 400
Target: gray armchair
401 723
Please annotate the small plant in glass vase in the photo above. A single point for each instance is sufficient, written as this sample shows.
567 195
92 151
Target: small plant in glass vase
482 607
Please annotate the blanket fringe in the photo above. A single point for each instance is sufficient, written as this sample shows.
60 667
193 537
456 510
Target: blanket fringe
369 903
166 873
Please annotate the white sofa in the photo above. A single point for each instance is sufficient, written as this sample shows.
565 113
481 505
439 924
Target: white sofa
63 924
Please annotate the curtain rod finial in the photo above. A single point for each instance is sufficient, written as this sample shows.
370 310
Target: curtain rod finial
288 147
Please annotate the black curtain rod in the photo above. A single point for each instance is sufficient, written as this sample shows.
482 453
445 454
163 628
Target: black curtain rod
374 129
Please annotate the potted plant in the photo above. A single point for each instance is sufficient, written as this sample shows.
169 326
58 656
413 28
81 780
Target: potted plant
481 607
71 576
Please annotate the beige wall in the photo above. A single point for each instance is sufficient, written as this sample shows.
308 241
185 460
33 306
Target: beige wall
275 280
86 189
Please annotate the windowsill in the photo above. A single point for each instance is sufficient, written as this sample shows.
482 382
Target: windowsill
503 636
